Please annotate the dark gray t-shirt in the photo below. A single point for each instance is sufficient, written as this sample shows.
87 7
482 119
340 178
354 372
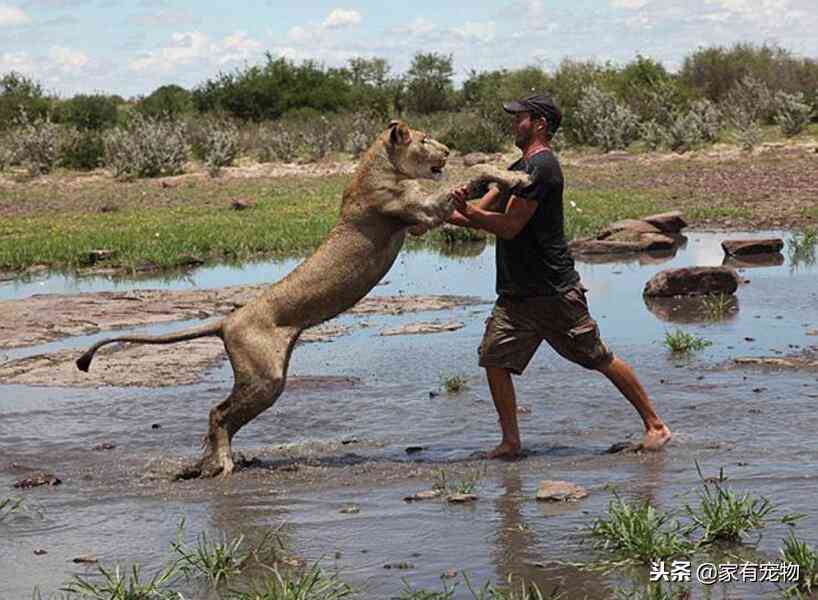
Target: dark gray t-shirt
536 262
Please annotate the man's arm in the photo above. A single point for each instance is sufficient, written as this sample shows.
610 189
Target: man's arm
504 225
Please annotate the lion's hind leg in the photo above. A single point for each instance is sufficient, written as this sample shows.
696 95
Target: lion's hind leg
259 360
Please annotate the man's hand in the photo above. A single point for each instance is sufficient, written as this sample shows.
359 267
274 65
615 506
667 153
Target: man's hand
459 196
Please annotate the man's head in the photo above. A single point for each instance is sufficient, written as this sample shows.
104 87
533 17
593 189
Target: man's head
534 116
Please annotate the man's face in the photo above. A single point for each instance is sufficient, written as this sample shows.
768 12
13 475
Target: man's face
524 128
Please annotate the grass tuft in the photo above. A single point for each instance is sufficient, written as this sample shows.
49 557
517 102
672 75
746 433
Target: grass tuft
799 553
718 306
465 485
454 384
117 584
801 247
637 532
680 342
311 584
9 506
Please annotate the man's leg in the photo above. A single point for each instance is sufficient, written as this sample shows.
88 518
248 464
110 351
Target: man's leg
505 401
657 434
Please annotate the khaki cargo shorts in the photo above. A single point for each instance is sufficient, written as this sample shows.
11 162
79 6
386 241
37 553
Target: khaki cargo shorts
517 326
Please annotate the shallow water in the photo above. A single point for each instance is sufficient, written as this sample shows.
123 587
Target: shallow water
758 424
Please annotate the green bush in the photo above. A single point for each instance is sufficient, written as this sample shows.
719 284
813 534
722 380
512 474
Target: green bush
167 101
792 113
83 151
601 120
221 147
38 143
479 135
93 112
20 94
429 83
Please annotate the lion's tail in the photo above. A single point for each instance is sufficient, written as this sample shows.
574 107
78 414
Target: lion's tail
212 329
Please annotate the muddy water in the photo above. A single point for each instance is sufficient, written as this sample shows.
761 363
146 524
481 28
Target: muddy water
323 448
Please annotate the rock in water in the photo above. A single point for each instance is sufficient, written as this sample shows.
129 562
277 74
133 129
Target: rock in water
692 281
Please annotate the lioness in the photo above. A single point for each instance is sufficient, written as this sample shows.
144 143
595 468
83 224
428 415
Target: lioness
379 206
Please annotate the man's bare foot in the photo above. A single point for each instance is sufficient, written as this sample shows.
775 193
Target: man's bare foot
655 439
505 450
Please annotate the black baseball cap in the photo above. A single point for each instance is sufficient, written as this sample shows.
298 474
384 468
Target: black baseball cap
542 105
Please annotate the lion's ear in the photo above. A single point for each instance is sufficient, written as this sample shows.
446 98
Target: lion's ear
399 133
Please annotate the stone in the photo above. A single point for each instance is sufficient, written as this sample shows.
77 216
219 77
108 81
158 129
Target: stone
423 327
424 495
37 481
668 222
243 203
784 362
95 256
692 281
560 491
634 225
475 158
461 498
647 242
745 247
352 509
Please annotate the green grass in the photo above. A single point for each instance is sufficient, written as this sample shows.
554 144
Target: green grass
454 384
801 247
798 552
465 485
9 506
713 213
292 218
681 342
522 590
654 591
637 532
310 584
593 210
126 584
717 306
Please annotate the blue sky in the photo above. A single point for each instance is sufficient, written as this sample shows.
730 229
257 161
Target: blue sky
131 48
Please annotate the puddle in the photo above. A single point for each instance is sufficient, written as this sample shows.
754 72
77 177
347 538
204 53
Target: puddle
346 444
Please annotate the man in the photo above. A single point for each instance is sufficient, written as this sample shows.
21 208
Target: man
540 294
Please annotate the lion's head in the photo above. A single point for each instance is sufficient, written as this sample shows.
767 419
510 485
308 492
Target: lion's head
413 153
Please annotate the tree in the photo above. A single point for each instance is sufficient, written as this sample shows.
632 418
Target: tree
18 92
429 83
167 100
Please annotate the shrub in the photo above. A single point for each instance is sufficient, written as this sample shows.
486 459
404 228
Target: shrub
751 97
318 137
359 131
708 119
146 148
602 121
83 150
654 135
221 147
8 152
166 101
479 135
93 112
429 83
793 114
276 142
20 94
38 144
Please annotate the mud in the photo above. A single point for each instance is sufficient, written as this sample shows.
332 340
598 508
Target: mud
45 318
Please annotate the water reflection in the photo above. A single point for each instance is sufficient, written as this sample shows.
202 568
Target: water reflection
774 259
693 309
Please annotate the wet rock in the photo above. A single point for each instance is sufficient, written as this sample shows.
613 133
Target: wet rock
450 574
156 426
475 158
668 222
104 446
560 491
625 448
423 327
424 495
399 565
87 559
37 481
745 247
630 225
805 361
414 449
95 256
690 281
751 261
40 552
352 509
644 242
242 203
461 498
811 332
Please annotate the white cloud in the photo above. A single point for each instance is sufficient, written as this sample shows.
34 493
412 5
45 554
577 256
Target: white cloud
16 61
418 27
67 58
482 32
196 47
238 47
630 4
12 16
342 18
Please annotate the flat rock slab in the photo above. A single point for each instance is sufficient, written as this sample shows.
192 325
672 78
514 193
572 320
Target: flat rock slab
45 318
806 361
745 247
643 242
632 225
560 491
692 281
423 327
667 222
